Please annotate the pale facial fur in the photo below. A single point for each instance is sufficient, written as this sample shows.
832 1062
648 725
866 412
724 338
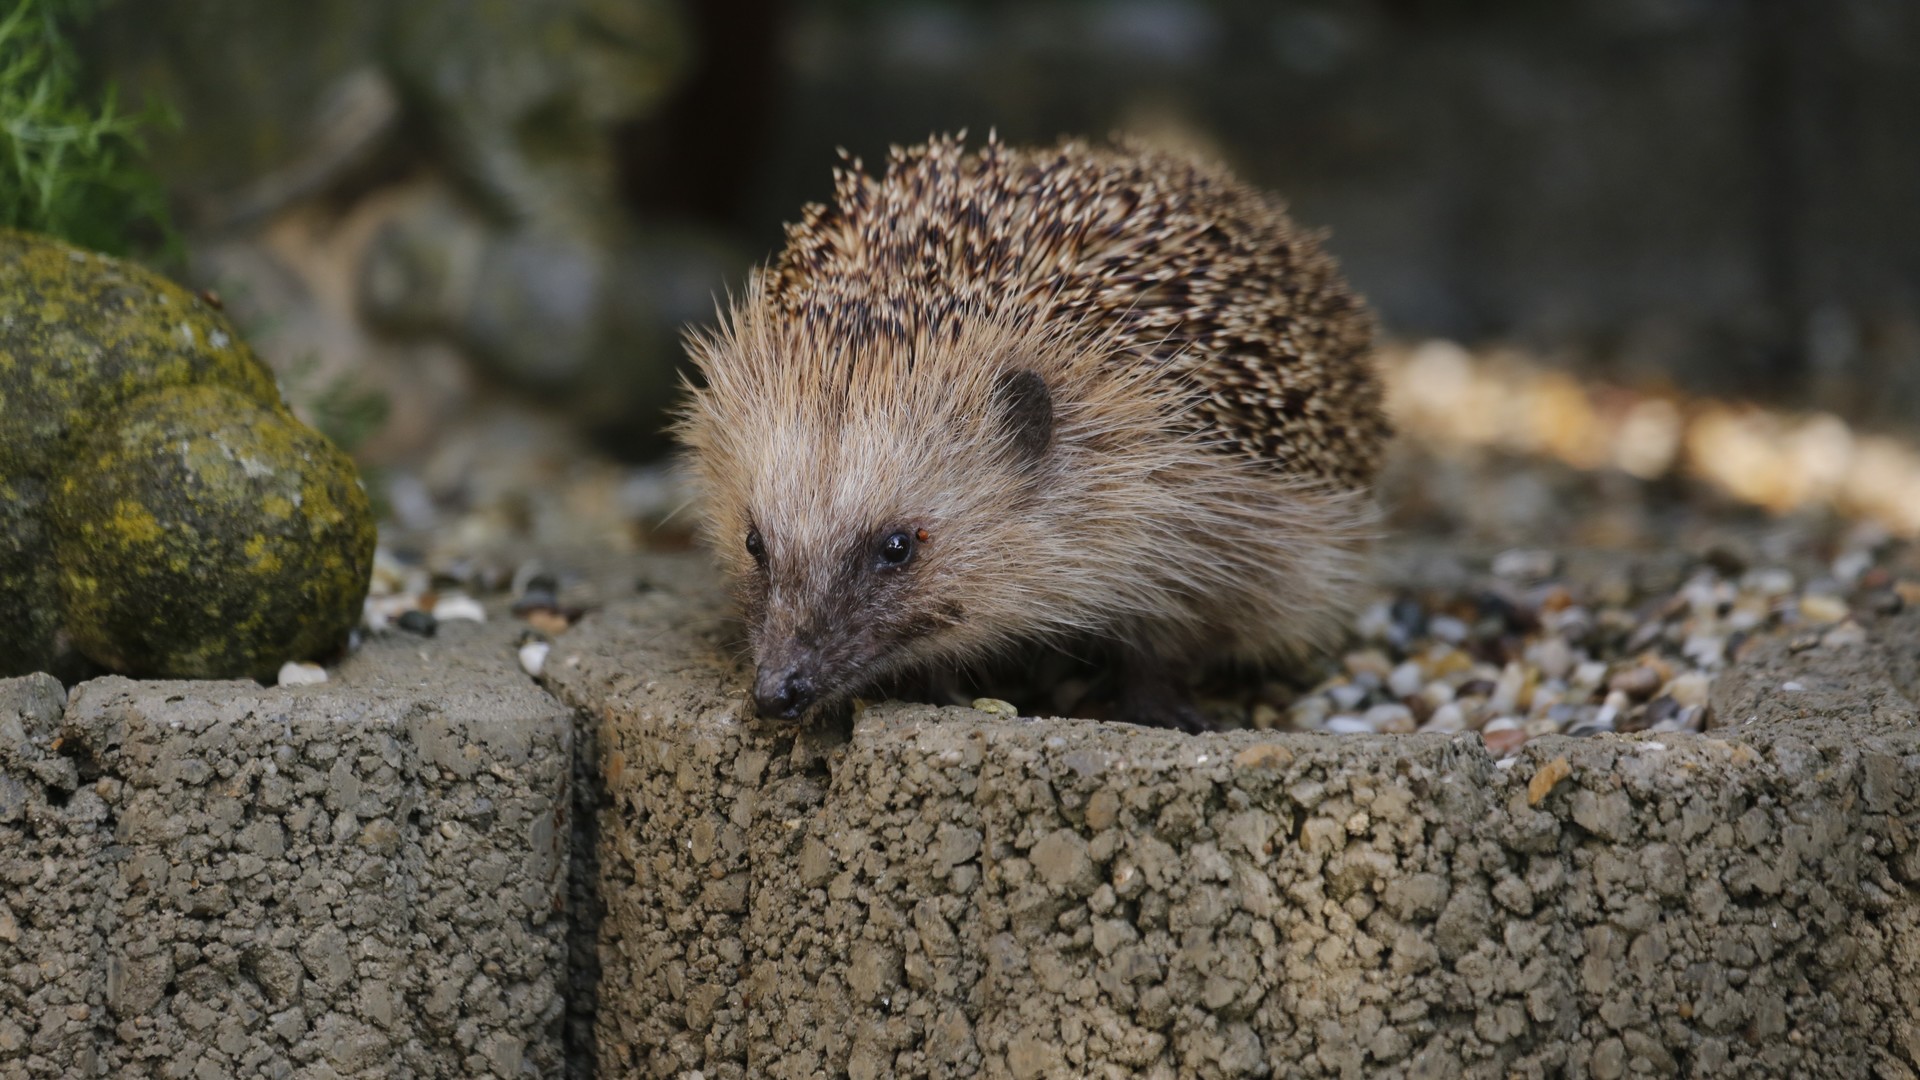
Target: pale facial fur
1080 513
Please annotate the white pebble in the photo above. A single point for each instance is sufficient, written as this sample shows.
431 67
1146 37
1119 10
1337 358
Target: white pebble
1349 724
1308 713
533 657
1524 564
1849 566
1506 692
459 606
1705 650
1553 657
1368 662
1690 689
1791 685
1406 680
1448 717
1437 693
1610 710
1821 608
1847 634
1347 697
1376 624
1687 719
1590 674
1447 629
1702 596
294 673
1770 582
1394 718
1503 723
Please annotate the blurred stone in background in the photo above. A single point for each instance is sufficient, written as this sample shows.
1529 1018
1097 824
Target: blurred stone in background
458 208
418 201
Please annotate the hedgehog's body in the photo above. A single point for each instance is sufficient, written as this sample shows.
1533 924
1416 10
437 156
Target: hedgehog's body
1066 395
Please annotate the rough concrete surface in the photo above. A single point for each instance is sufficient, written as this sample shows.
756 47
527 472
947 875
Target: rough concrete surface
364 878
946 894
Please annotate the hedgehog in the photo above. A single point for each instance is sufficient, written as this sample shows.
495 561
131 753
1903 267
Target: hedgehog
1100 398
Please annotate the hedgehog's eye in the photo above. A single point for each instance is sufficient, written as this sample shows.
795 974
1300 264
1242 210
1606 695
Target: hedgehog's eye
756 547
896 549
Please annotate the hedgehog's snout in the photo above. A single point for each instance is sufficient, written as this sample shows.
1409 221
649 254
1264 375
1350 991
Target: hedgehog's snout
784 690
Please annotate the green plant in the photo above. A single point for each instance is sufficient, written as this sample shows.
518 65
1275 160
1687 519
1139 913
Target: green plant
68 166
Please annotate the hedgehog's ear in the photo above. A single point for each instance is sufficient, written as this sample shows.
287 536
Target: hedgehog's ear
1023 407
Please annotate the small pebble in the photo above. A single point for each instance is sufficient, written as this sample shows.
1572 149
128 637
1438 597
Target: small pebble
995 707
1475 688
1658 711
1705 650
1553 657
1541 726
1347 697
1436 694
533 657
1849 567
1690 718
1390 718
1770 582
1503 736
536 600
1508 691
1448 629
1638 682
1446 718
1369 662
1690 689
1845 635
453 606
1611 709
1310 714
1265 717
1349 724
1376 623
1820 608
418 622
294 673
1406 680
1525 564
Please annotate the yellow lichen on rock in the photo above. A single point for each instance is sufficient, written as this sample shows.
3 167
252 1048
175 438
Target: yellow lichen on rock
160 508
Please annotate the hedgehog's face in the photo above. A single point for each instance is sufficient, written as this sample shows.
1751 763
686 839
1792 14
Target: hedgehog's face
864 544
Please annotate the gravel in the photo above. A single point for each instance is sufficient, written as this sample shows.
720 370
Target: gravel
1517 646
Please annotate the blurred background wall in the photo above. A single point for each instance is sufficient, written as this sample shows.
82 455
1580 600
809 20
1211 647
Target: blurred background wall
449 210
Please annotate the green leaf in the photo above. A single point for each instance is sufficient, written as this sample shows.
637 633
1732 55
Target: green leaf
69 166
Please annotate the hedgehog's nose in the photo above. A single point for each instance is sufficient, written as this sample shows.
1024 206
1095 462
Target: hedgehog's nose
783 693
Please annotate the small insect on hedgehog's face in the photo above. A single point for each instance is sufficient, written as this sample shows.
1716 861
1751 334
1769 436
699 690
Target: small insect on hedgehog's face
867 532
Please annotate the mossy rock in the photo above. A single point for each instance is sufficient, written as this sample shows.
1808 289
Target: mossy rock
82 333
204 535
162 513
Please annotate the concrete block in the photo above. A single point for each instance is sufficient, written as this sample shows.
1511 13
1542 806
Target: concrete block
357 879
941 893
